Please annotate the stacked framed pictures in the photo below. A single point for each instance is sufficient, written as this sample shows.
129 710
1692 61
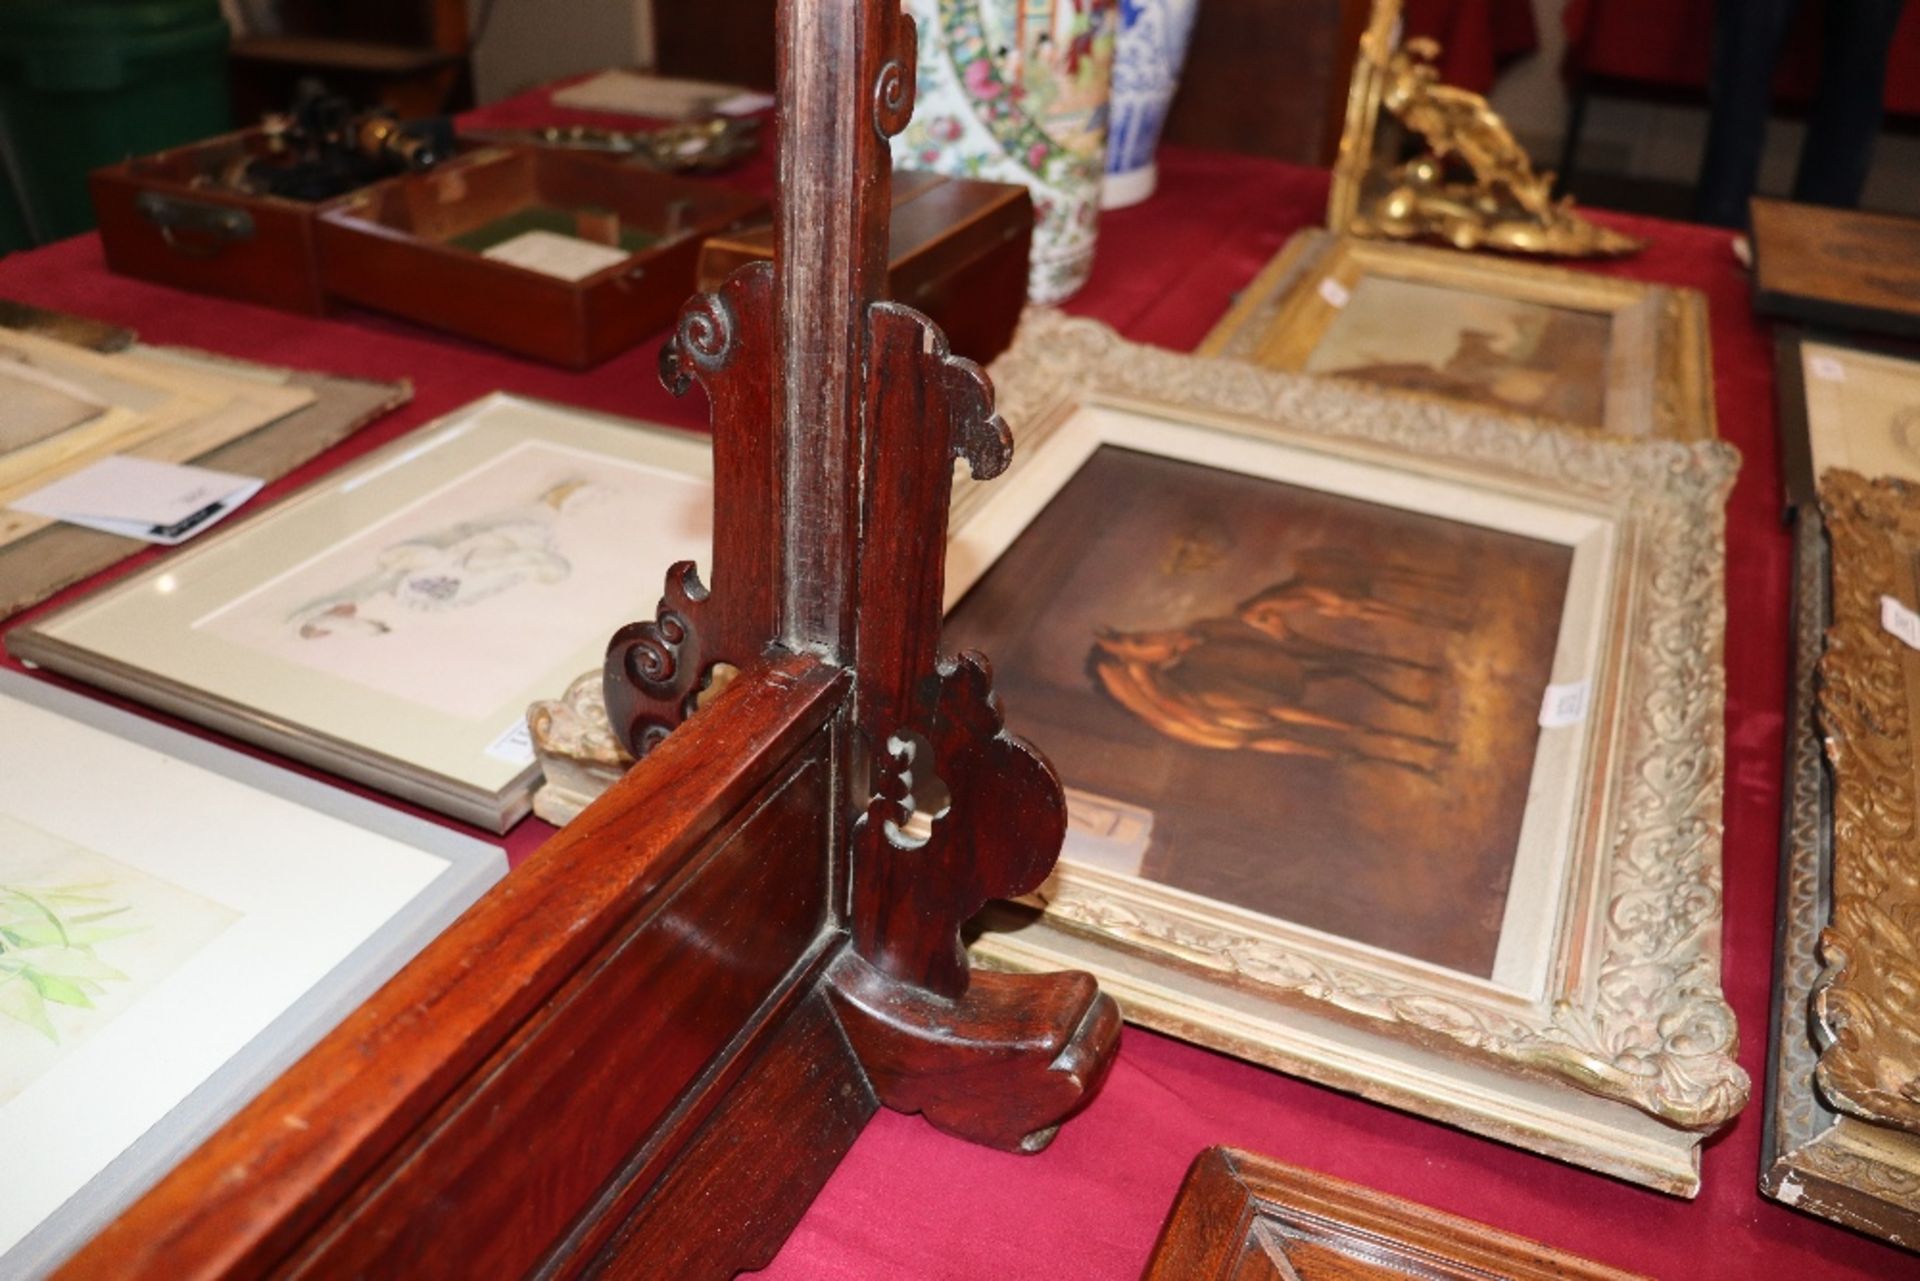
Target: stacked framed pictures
1582 350
1391 732
1393 738
208 925
393 622
1842 1137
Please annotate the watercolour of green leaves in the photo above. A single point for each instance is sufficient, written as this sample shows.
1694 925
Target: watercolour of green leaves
48 937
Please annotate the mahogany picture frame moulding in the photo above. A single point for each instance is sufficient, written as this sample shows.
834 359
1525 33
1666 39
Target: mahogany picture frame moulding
1240 1216
643 1053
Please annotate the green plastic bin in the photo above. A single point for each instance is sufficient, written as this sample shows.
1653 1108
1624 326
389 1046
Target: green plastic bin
85 83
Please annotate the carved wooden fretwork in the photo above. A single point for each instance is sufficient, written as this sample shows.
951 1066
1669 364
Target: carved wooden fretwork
837 417
1863 1005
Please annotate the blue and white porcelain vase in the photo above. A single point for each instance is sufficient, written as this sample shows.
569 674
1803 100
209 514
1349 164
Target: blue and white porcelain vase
1147 60
1016 91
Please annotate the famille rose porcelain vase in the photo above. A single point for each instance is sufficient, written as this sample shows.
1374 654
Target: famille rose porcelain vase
1151 49
1016 91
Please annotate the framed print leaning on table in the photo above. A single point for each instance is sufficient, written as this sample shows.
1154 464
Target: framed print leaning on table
163 956
1585 350
1392 733
393 622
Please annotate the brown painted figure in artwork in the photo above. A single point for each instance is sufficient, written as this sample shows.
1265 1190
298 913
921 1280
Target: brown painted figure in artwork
1245 682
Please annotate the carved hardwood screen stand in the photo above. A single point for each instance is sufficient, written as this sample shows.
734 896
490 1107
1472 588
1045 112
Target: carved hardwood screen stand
643 1053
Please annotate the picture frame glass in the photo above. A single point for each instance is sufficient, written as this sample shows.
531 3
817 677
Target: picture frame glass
167 953
1862 410
394 622
1275 682
1480 348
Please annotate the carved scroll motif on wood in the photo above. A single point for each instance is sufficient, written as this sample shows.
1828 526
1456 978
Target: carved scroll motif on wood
1864 1010
657 669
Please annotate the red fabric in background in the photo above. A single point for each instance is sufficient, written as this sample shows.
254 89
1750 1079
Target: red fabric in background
910 1204
1669 43
1476 37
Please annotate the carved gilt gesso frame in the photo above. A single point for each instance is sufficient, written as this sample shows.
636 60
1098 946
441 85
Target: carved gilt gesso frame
1843 1130
1659 365
1621 1057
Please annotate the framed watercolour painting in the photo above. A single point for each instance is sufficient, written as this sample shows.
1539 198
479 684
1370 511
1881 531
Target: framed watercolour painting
393 623
1582 350
164 956
1392 736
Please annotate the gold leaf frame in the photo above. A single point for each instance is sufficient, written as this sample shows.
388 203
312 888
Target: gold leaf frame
1863 1004
1660 365
1629 1061
1815 1158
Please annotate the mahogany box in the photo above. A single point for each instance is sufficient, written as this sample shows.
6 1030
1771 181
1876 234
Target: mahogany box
413 246
958 253
402 245
172 217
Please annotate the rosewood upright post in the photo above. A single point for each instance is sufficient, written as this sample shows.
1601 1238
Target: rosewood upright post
837 416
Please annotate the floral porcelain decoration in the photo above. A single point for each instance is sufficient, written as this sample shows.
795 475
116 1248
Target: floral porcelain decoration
1016 91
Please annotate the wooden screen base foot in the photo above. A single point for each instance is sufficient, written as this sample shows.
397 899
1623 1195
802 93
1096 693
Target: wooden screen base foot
1002 1065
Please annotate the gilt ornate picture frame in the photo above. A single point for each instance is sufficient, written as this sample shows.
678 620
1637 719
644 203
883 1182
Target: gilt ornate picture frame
1609 355
1598 1032
1842 1133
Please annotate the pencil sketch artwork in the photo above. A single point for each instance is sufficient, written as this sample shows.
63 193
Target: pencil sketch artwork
1265 672
1863 411
452 568
82 938
451 601
1499 352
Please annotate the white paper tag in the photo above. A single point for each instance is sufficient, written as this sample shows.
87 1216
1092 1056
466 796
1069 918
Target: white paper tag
1899 622
1335 293
515 744
552 254
744 104
1826 369
1108 834
1565 704
164 503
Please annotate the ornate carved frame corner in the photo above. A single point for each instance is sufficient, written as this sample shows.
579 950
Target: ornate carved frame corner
1241 1215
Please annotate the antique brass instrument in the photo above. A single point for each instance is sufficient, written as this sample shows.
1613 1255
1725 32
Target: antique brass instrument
1471 185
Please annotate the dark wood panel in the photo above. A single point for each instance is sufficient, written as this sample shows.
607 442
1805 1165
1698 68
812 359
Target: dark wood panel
728 40
1268 78
268 1179
798 1113
575 1093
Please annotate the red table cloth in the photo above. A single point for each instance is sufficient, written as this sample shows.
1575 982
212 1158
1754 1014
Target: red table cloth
1669 43
910 1203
